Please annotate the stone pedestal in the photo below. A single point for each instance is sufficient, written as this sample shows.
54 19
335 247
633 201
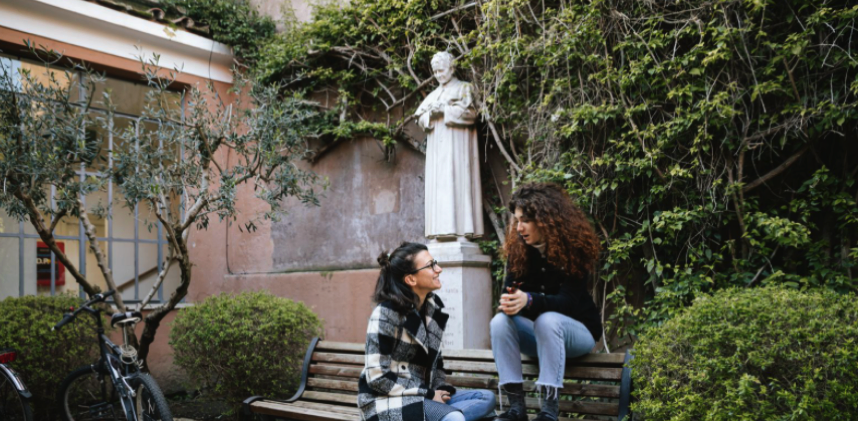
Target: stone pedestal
466 289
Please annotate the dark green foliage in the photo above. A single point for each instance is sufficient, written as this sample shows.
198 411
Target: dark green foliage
769 353
233 22
235 346
45 357
709 140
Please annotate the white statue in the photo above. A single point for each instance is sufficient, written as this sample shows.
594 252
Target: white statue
453 191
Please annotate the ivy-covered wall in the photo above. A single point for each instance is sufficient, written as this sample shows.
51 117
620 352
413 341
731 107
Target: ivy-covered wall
712 142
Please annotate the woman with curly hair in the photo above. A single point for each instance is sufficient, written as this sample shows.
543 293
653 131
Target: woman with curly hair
546 311
404 377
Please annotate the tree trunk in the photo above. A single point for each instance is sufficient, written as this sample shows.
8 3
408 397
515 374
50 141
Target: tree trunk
153 320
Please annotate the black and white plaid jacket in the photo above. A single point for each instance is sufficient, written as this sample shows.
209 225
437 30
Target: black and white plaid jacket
403 362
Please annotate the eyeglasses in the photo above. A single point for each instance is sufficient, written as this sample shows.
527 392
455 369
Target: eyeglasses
432 263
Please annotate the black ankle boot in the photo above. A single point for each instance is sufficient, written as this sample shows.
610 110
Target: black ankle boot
517 409
550 405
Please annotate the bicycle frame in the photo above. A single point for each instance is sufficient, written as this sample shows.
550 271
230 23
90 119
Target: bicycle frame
110 364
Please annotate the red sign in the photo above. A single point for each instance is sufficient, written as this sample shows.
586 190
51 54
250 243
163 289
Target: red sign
43 265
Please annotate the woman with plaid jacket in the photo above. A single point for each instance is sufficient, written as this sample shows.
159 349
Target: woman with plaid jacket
403 378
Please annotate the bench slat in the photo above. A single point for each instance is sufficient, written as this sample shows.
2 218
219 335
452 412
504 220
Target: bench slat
469 356
579 407
475 354
576 389
328 370
339 398
614 359
328 357
340 346
585 373
333 384
582 407
299 413
327 407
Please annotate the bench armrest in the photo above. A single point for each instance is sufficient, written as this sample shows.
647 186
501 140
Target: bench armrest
305 374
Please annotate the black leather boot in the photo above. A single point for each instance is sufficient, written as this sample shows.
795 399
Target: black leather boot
517 409
550 405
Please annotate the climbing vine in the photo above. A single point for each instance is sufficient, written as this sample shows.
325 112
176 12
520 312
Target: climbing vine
712 142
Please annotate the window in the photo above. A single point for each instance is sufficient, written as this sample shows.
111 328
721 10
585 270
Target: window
131 238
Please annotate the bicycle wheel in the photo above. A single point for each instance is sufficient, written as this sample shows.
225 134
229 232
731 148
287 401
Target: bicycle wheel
149 402
13 407
88 395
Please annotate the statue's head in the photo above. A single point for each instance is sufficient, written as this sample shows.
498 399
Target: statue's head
443 67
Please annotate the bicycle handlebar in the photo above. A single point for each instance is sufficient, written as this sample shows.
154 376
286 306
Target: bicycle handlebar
97 298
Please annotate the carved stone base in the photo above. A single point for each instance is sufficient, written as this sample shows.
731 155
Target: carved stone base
466 289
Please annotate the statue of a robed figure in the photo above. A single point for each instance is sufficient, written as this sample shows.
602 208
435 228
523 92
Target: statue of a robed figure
454 207
453 191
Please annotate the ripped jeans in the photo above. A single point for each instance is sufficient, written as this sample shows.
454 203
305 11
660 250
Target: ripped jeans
552 338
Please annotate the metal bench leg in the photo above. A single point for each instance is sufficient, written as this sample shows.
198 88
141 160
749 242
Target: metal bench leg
626 388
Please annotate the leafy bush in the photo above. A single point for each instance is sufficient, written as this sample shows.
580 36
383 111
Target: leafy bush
45 357
752 354
236 346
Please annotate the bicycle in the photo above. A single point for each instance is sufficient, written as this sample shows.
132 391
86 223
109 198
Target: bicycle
14 395
114 388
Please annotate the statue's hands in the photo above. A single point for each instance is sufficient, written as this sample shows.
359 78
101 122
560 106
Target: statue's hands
512 303
438 108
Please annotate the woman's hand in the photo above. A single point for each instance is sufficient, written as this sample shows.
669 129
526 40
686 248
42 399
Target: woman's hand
512 303
441 396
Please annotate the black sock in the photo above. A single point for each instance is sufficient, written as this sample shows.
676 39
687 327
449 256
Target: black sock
515 393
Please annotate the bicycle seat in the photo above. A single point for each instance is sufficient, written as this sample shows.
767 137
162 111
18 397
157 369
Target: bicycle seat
126 319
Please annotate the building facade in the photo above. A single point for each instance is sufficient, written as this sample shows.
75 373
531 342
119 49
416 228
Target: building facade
323 256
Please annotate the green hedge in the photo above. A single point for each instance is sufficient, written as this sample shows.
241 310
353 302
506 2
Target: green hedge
754 354
45 357
236 346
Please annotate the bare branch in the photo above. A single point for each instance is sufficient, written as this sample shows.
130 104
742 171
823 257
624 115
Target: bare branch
410 94
499 142
202 200
495 222
48 238
57 218
454 10
777 170
89 230
163 274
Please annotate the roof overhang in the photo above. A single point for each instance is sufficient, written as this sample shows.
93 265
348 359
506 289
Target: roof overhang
108 31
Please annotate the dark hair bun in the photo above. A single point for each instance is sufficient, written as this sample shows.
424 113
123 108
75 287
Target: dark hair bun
384 259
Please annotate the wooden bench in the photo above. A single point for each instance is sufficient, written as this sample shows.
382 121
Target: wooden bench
598 387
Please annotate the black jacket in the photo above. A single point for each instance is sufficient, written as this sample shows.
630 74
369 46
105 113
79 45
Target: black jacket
555 290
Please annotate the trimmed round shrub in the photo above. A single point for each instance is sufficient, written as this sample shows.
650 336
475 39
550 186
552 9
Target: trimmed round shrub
45 358
752 354
236 346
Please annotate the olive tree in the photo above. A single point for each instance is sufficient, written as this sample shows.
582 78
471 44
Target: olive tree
177 171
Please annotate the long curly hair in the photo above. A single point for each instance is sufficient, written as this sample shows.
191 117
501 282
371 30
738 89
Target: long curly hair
571 241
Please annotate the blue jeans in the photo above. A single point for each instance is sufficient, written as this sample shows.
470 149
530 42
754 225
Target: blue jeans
552 338
474 404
